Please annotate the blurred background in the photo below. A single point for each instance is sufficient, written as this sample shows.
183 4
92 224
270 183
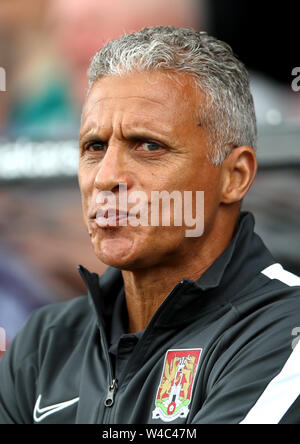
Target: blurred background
45 50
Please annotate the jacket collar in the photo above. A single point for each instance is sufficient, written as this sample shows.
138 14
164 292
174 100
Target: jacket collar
244 258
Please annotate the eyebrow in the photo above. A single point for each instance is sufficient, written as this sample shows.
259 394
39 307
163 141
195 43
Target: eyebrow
90 137
146 134
132 134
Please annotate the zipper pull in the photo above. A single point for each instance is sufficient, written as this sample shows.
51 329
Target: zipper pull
109 401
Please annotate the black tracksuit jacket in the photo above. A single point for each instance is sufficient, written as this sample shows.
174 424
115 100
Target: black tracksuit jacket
218 350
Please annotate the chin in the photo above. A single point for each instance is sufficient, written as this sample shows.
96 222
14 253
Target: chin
115 252
132 251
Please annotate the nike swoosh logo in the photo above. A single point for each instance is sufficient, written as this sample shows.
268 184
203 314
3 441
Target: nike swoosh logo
39 414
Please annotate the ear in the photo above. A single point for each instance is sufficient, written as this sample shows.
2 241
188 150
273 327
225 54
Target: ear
238 172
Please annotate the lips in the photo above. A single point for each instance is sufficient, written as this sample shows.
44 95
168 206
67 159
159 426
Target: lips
111 218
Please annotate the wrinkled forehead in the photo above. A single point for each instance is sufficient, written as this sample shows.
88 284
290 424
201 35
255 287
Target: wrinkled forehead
97 105
142 96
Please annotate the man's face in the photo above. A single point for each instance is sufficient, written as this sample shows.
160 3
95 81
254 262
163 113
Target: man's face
142 130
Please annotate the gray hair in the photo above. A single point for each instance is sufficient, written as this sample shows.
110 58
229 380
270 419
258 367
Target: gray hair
228 113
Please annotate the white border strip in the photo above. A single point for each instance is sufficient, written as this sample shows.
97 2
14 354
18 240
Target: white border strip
284 389
276 271
279 395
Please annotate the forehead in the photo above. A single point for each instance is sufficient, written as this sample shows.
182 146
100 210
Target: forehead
142 97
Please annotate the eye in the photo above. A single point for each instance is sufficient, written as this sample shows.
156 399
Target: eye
95 146
149 146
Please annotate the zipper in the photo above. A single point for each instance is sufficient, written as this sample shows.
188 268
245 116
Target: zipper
113 382
112 389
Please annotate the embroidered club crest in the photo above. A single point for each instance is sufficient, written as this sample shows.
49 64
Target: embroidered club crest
176 385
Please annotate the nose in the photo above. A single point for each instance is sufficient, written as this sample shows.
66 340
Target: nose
113 170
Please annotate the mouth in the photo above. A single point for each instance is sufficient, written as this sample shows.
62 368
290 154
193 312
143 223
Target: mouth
111 218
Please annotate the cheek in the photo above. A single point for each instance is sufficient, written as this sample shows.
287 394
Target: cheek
86 189
206 179
212 197
84 206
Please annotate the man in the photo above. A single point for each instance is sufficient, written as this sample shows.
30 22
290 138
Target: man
180 328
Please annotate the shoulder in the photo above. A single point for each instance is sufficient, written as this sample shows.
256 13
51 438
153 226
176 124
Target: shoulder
267 312
71 313
64 318
273 288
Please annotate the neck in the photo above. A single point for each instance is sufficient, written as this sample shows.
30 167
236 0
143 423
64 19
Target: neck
146 288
